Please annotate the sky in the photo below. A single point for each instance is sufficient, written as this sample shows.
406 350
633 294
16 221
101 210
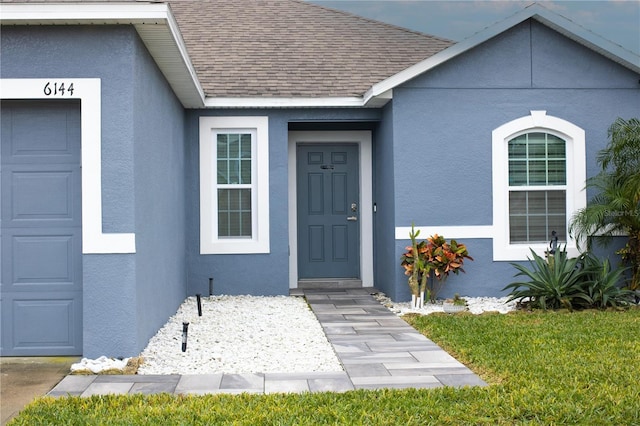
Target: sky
615 20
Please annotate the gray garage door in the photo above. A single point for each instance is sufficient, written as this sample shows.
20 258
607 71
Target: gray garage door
41 229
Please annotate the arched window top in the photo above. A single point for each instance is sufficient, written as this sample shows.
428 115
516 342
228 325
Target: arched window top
537 159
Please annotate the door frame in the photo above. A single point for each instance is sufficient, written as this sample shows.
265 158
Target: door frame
363 139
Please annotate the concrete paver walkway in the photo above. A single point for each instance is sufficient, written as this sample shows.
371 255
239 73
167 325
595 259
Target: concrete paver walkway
376 348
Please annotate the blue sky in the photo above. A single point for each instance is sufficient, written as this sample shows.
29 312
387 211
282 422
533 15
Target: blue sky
615 20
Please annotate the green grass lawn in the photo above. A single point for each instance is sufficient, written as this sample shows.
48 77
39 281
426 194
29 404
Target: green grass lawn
542 368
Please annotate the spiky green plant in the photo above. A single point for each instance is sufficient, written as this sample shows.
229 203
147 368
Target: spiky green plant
602 283
550 285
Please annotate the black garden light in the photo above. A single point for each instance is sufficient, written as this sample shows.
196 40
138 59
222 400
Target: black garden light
185 329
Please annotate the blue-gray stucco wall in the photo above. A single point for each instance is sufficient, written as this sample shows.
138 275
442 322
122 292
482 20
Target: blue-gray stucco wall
443 121
160 182
126 297
386 262
258 274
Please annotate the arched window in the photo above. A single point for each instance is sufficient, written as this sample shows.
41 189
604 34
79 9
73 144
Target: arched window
538 183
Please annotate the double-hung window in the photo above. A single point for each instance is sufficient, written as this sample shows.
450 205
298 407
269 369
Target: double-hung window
537 188
234 185
538 184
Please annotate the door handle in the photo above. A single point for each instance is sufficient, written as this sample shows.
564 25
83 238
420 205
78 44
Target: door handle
352 218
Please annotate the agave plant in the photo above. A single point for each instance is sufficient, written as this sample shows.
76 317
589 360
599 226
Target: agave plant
602 284
550 285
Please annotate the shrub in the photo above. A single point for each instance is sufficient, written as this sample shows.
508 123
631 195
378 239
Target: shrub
601 283
552 285
563 282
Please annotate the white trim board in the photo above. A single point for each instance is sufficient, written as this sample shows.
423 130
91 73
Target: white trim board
87 90
363 139
449 232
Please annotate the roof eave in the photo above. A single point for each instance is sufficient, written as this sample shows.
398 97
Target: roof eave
285 102
154 23
559 23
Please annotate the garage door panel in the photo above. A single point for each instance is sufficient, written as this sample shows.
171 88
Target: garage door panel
42 133
42 197
49 323
44 260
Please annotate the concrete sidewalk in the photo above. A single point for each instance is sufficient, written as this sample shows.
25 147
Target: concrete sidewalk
376 348
24 379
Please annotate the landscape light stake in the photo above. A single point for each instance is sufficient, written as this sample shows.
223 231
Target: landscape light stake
185 328
199 305
210 286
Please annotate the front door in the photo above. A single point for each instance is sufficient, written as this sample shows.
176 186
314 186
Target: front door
328 208
41 229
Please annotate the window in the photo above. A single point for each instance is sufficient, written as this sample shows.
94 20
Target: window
538 183
537 188
234 185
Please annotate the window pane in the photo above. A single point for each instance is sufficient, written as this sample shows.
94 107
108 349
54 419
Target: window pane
223 224
556 202
537 145
517 173
518 147
534 214
558 224
538 229
537 172
518 202
234 213
234 172
555 147
245 171
222 146
557 172
537 202
245 146
234 146
518 229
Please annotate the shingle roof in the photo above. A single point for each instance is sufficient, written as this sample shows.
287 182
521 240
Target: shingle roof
287 48
290 48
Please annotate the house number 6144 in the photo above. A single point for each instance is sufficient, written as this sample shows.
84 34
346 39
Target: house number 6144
58 89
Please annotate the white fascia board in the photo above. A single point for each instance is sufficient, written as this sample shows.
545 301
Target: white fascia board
536 11
338 102
83 13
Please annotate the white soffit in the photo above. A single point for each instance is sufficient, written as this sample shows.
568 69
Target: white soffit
266 102
154 23
536 11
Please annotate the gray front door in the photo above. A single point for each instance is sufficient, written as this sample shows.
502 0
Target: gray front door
328 211
41 229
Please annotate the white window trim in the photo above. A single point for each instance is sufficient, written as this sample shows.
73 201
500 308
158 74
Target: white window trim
87 90
576 199
209 241
363 139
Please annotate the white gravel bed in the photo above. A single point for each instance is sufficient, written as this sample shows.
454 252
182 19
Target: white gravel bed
241 334
475 305
252 334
